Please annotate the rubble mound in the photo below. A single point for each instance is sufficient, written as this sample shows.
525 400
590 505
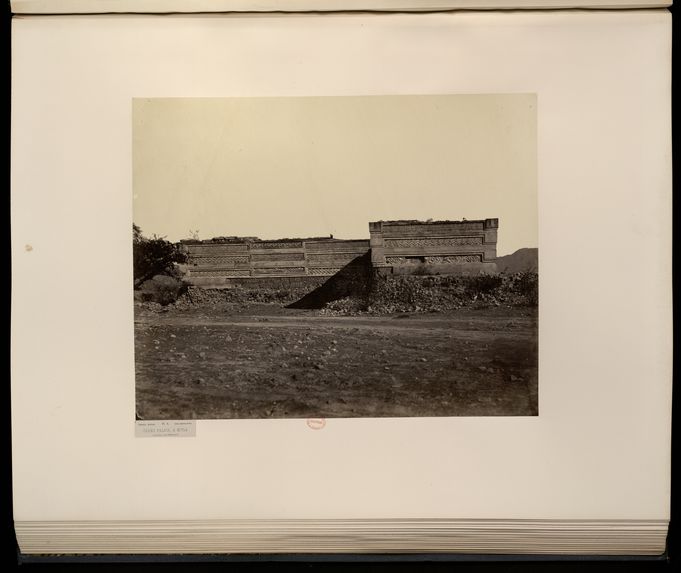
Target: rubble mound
390 294
238 295
358 291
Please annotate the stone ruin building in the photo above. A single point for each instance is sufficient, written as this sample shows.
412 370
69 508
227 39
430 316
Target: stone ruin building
396 247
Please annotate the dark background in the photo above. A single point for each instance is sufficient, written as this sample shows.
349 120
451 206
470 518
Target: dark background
10 559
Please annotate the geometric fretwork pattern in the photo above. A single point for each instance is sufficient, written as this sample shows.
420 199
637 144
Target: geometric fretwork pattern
221 273
454 259
433 242
320 271
332 258
200 261
279 271
434 260
278 257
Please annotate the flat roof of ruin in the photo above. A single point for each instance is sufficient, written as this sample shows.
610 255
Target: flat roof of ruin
430 222
241 240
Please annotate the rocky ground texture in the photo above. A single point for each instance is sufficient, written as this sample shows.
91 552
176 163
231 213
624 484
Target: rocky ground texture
375 295
416 346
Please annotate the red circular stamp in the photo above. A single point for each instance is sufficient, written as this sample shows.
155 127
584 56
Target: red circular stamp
316 423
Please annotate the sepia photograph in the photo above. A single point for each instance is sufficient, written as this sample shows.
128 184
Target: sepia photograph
335 257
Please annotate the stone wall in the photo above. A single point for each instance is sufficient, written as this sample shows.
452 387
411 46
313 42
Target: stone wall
438 247
395 247
215 263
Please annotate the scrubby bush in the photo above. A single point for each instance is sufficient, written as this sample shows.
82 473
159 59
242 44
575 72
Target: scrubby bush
527 285
154 256
483 284
162 289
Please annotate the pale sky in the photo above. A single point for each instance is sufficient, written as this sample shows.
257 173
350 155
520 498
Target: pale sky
314 166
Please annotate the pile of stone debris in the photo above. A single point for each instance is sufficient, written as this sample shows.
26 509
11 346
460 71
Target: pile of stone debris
391 294
373 295
241 296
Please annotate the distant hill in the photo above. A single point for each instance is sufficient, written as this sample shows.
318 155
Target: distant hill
520 261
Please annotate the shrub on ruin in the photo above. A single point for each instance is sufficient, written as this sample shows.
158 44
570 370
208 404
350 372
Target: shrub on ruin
483 284
526 285
162 289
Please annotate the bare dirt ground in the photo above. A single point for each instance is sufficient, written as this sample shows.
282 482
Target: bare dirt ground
265 361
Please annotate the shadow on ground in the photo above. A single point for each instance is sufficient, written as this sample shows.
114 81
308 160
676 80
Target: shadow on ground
354 279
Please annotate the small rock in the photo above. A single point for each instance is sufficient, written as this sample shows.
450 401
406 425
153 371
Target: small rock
202 354
423 359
